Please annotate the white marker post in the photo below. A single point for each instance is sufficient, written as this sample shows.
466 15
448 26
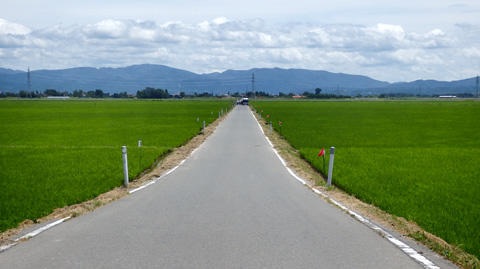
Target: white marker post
203 127
125 166
330 167
140 155
270 127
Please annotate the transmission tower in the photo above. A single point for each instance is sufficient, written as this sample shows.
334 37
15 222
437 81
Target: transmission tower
253 82
29 84
477 86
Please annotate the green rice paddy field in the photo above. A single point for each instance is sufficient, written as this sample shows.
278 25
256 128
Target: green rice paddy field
418 160
58 153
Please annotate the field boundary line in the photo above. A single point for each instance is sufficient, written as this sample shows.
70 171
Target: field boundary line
422 260
34 233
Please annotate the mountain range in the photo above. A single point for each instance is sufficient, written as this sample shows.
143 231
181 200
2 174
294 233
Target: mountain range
272 80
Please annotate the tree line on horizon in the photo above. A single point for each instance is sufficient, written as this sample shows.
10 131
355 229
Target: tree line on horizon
152 93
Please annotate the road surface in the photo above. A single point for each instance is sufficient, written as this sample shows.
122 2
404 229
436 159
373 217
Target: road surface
232 204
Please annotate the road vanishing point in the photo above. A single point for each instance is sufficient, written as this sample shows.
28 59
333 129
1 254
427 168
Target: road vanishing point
231 204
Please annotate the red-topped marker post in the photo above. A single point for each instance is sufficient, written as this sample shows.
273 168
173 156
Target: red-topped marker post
322 153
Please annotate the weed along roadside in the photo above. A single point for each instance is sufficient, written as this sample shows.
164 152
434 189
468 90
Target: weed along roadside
167 129
397 156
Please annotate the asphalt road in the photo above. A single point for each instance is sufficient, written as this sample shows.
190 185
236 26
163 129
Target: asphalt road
231 204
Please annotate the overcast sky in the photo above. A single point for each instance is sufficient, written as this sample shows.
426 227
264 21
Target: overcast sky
386 40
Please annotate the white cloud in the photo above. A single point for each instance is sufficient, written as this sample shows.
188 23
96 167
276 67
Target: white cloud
381 37
284 55
472 52
382 51
107 29
9 28
220 20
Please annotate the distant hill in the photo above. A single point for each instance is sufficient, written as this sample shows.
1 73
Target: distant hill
272 80
436 87
9 71
293 80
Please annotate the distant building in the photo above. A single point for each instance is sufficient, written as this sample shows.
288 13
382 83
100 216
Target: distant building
58 97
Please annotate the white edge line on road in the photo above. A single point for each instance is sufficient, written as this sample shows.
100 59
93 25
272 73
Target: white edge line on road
44 228
274 150
3 248
34 233
422 260
141 187
193 151
155 179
